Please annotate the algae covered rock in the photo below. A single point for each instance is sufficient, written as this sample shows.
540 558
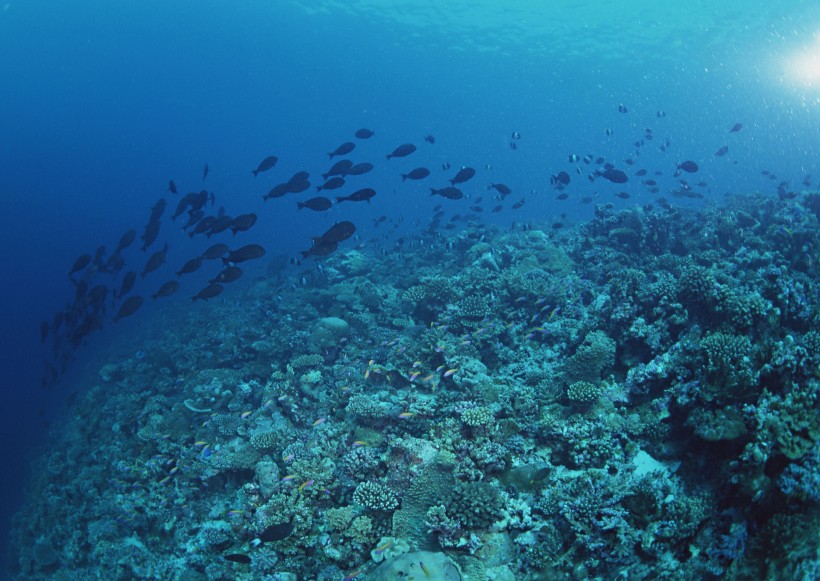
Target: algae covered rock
328 333
419 565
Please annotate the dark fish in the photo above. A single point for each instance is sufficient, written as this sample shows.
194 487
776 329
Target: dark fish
622 108
572 158
215 251
320 248
363 195
247 252
516 135
364 133
640 172
343 149
560 180
339 232
562 196
476 208
614 175
429 139
208 292
265 164
649 183
157 210
183 204
660 114
417 174
242 223
316 204
688 166
513 145
722 151
230 274
238 558
82 261
333 183
623 195
497 209
220 224
150 234
156 260
203 226
205 172
172 187
360 168
736 127
276 532
340 168
127 283
463 175
450 193
126 241
518 204
278 191
190 266
129 307
501 189
402 150
166 290
445 166
193 218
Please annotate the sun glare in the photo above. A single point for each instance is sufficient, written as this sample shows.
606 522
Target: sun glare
804 64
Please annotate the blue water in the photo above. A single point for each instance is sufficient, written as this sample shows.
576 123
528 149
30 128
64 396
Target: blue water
103 103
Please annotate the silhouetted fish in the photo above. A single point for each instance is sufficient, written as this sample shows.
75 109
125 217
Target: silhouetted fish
247 252
126 241
360 168
317 204
242 223
339 232
363 195
364 133
127 283
276 532
229 274
238 558
614 175
402 150
82 261
166 290
205 172
429 139
463 175
343 149
722 151
450 193
501 189
333 183
215 251
208 292
340 168
129 307
156 260
220 224
417 174
265 164
688 166
172 187
736 127
190 266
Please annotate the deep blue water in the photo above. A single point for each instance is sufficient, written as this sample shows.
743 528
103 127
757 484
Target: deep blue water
102 104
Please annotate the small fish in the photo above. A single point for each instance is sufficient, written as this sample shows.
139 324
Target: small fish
364 133
288 458
736 127
414 375
319 422
353 575
238 558
205 172
429 139
660 114
265 164
424 569
172 187
360 443
722 151
200 443
233 513
402 150
383 548
516 135
306 484
244 415
405 415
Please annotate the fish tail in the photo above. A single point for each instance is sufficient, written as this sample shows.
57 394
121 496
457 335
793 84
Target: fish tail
254 172
299 205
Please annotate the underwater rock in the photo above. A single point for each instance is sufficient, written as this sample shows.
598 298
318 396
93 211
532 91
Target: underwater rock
421 565
328 333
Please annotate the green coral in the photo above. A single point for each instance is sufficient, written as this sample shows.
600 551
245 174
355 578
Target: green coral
584 392
307 360
375 496
593 358
476 505
475 417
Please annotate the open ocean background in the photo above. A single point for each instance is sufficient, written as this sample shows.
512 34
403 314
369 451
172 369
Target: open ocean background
101 103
